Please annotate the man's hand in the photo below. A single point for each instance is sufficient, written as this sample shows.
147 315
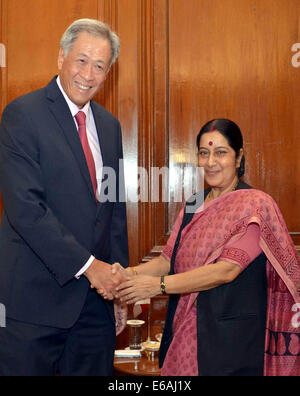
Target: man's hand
116 269
101 278
125 272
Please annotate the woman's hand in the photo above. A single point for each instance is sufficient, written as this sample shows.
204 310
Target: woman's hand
138 288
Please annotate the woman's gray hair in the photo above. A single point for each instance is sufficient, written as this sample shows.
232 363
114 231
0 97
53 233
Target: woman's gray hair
94 28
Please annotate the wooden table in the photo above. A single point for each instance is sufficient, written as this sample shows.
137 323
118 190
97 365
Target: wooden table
143 366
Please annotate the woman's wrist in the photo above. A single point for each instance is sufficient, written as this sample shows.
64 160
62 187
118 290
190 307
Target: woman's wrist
132 271
162 285
157 285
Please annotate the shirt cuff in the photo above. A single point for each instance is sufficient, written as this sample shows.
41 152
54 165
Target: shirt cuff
85 267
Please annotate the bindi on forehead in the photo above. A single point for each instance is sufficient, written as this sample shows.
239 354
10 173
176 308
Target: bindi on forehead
211 143
212 129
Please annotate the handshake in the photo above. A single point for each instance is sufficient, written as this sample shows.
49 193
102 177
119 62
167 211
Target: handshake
115 282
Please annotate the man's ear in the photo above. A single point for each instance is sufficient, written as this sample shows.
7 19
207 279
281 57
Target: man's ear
61 58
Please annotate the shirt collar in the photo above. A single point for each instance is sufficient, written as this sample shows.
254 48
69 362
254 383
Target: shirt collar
72 106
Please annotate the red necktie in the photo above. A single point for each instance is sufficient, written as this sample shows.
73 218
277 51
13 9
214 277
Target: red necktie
80 118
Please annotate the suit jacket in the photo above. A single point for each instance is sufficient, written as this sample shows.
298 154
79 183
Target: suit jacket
51 223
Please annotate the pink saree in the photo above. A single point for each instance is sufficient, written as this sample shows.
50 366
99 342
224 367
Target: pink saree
203 241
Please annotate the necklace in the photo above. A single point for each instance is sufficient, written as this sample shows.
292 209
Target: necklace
210 198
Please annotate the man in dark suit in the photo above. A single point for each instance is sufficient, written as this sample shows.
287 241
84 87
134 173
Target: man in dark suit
58 236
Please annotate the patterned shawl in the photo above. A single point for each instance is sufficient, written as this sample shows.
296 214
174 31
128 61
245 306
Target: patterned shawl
226 219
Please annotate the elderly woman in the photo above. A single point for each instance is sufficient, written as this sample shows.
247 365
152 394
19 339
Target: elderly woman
232 273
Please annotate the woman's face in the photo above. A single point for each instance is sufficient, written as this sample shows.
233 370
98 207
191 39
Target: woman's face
218 160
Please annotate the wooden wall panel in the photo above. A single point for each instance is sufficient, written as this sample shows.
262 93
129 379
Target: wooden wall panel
161 114
221 59
128 107
181 64
232 59
123 95
108 96
34 29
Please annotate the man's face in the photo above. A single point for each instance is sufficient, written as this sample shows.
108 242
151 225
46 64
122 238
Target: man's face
84 69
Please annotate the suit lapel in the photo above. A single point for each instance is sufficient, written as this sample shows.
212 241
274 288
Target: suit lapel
104 142
63 116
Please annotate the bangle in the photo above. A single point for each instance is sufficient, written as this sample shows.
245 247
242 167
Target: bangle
162 285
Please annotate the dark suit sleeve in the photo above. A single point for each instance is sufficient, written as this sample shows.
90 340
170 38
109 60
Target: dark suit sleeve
24 196
118 235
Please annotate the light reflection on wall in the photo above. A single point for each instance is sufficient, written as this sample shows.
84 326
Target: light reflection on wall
2 55
185 178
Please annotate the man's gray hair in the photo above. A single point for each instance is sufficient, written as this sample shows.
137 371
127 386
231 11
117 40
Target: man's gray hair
95 28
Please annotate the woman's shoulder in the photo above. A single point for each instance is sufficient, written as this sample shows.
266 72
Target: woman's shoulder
248 191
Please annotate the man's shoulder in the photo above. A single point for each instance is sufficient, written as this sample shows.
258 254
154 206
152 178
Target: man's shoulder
30 104
32 99
38 96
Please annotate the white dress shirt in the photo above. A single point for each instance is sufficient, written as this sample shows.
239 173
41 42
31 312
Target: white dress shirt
93 140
